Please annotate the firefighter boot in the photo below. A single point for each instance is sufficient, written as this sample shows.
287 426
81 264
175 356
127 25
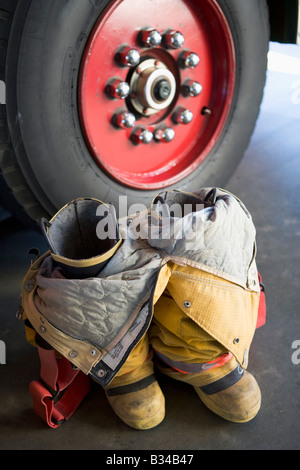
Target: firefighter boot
229 391
134 393
238 403
185 352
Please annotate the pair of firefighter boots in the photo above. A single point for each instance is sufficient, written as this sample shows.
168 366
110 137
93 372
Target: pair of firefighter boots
179 338
141 405
222 385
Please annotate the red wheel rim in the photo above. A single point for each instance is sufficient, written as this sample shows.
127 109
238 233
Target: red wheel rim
158 164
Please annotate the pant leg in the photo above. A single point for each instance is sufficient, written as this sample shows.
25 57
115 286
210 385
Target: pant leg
185 351
138 365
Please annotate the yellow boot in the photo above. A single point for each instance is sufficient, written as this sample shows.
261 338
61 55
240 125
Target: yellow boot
239 403
229 391
134 393
185 352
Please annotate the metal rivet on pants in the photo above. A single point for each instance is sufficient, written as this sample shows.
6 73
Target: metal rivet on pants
93 352
42 329
73 354
187 304
29 286
236 340
101 373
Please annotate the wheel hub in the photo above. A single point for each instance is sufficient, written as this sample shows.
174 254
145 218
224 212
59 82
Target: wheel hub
153 87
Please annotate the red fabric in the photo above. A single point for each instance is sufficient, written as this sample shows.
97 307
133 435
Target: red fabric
262 309
57 376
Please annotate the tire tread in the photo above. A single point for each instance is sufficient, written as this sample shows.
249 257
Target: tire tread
15 194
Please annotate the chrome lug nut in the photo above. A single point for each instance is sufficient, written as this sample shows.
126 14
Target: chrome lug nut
149 37
123 119
141 136
182 116
188 60
191 88
116 88
164 134
173 39
128 57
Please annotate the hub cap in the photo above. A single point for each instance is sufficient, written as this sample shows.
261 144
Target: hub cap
171 82
153 87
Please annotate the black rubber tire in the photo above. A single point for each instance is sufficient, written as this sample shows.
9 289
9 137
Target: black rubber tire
15 195
50 155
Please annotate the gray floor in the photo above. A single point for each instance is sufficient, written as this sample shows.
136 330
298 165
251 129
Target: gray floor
268 181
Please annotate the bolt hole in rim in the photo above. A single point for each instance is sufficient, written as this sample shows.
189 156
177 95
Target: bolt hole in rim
198 76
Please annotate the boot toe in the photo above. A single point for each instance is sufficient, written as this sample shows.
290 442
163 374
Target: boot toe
239 403
141 408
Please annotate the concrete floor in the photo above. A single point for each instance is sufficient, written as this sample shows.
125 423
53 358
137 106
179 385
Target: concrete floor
268 181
